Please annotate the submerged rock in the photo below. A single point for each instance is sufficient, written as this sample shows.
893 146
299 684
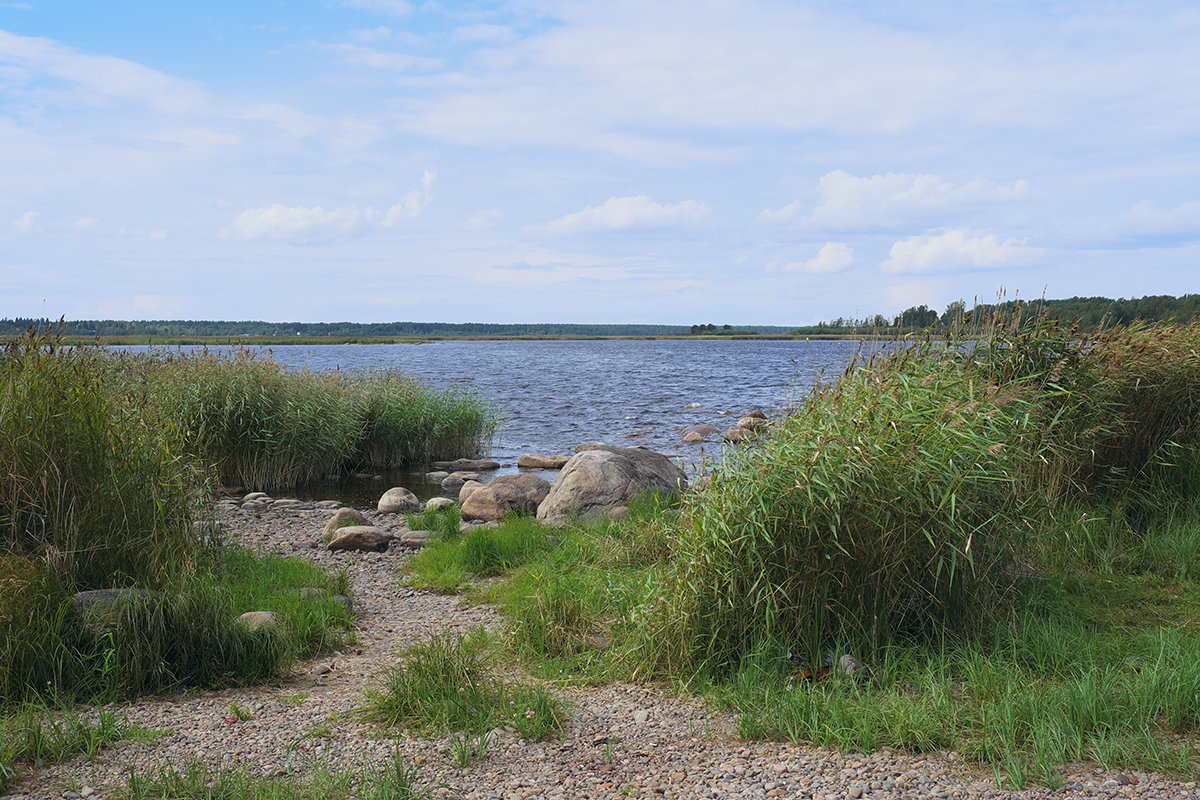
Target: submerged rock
534 461
472 464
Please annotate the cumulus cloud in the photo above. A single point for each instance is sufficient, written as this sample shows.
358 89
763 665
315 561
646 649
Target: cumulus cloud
27 223
302 224
620 213
956 249
832 257
851 202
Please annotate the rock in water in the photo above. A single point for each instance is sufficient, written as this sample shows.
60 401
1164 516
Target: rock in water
344 518
398 499
472 464
366 538
603 477
506 493
534 461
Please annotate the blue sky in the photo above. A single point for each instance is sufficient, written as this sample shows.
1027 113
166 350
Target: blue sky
675 162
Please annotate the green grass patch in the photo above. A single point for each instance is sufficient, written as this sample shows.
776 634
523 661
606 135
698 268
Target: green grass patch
449 562
444 522
35 735
196 781
448 686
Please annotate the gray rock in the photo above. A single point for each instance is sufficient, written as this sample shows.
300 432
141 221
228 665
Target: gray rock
259 620
416 538
691 437
437 476
255 496
520 493
703 430
465 475
101 608
534 461
734 435
452 482
602 477
398 499
751 423
366 538
439 504
343 518
849 666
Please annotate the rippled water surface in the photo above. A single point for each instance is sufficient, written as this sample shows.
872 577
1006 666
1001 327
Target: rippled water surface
552 395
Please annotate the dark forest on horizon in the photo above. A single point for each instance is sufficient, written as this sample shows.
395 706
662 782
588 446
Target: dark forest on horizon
1089 312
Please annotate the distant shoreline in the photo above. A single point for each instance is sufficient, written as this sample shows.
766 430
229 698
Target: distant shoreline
260 341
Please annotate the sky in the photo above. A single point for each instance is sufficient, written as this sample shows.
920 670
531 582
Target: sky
646 162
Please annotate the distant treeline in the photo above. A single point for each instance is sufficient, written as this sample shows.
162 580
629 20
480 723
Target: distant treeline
1090 313
219 329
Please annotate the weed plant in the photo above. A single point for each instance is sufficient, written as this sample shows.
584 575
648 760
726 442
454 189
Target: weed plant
446 686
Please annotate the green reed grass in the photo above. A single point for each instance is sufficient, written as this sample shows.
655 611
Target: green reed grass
89 486
267 428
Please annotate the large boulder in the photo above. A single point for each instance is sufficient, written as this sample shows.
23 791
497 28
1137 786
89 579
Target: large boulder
398 499
602 478
467 489
521 493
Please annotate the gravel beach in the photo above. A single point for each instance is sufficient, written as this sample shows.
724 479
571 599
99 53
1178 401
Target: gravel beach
622 741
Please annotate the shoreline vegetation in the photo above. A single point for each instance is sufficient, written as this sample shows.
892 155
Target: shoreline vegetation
1089 314
985 544
109 466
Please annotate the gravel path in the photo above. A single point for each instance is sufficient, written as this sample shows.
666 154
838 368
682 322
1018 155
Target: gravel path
622 741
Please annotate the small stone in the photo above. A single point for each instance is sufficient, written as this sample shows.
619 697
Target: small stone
398 499
439 504
641 716
855 792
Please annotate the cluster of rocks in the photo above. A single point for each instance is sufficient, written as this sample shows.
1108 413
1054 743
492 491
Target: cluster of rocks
747 428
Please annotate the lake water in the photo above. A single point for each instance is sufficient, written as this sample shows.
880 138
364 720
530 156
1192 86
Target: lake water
553 395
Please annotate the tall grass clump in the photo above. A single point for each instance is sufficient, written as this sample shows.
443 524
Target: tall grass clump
266 428
405 422
888 507
90 488
257 424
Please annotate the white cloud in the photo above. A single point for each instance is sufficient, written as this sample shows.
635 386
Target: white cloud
302 224
956 249
620 213
101 76
27 223
832 257
850 202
